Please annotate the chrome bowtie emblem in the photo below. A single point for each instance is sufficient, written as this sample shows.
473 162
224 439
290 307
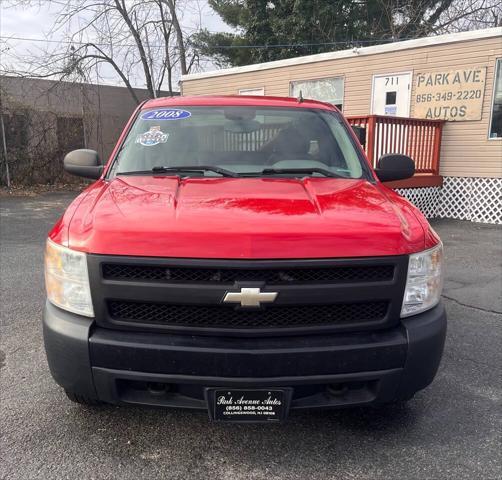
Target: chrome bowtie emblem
250 297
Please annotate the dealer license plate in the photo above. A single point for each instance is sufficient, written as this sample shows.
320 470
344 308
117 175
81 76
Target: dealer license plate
248 405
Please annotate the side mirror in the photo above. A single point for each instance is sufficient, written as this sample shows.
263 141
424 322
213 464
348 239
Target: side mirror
394 166
83 163
360 134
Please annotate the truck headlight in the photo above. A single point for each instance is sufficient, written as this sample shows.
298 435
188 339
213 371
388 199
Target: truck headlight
67 279
424 282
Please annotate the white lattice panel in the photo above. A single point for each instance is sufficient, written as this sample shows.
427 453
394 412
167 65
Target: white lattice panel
426 199
486 200
475 199
455 198
463 198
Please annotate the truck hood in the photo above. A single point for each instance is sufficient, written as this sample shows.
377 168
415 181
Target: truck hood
247 218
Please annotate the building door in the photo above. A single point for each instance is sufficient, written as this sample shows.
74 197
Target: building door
391 95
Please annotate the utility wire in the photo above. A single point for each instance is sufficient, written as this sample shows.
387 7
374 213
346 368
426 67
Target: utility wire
273 45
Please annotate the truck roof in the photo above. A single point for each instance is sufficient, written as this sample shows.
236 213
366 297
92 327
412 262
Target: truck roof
236 100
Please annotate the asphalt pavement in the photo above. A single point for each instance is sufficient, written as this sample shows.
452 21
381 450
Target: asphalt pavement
451 430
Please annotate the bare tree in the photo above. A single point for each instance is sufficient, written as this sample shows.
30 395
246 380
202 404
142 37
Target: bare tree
34 141
466 15
402 19
140 41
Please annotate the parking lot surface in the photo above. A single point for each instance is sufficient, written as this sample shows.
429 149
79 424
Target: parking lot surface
450 430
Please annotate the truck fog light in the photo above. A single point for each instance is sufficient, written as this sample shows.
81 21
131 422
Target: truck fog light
67 279
424 281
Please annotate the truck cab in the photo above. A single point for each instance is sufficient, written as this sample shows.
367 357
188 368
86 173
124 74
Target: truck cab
241 256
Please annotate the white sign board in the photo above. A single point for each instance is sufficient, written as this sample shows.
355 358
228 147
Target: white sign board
455 95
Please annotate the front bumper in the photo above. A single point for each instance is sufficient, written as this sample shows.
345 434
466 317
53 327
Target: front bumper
175 370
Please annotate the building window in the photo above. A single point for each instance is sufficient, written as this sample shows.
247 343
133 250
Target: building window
252 91
390 98
496 113
329 90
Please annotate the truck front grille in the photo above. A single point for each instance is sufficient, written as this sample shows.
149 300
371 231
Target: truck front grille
179 295
271 276
227 317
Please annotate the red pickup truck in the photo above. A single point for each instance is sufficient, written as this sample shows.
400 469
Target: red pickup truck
240 255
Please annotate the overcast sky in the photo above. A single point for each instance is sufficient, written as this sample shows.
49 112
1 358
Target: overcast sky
36 21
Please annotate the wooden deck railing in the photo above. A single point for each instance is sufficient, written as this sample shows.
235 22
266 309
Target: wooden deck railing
418 138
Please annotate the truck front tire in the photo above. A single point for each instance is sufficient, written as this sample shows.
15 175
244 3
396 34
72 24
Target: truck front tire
82 399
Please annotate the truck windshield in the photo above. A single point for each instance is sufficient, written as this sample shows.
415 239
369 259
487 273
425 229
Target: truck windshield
239 141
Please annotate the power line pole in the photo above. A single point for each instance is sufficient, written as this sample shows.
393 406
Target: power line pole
4 143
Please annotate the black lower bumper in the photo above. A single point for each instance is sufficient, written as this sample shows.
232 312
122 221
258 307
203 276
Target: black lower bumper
175 370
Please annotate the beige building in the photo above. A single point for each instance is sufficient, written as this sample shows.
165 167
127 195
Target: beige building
456 78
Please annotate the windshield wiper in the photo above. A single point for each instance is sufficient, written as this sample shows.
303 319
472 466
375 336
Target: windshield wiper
302 171
188 169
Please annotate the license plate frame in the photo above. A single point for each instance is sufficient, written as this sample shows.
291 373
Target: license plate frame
248 405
